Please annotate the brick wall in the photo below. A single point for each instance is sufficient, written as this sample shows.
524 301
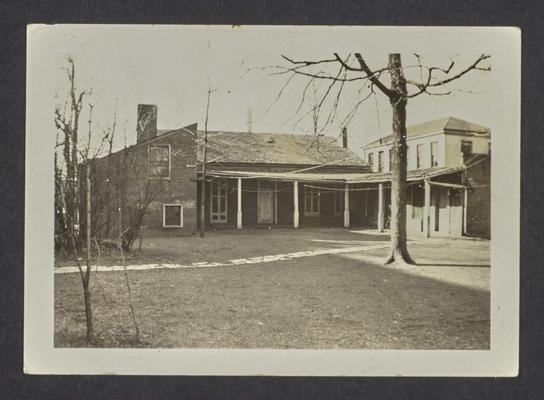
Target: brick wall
121 185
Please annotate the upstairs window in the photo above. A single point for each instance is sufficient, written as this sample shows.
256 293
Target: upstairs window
434 154
380 161
172 216
390 160
466 147
311 201
419 151
371 160
159 162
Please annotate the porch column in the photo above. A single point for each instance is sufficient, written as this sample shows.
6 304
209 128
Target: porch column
295 204
239 211
275 202
465 208
380 207
427 209
346 205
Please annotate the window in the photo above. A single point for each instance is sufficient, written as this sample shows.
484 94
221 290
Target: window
434 154
218 201
419 151
159 162
371 160
380 161
390 160
466 147
338 202
172 216
311 201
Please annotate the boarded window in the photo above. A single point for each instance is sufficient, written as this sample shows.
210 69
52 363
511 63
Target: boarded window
172 216
159 162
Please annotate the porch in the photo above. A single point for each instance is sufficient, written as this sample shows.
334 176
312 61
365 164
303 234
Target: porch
436 203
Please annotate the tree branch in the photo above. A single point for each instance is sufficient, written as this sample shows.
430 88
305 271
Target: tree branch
374 79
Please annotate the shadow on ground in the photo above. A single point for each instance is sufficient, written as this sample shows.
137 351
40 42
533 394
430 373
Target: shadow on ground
317 302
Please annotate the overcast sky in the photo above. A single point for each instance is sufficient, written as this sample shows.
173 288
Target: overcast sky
174 66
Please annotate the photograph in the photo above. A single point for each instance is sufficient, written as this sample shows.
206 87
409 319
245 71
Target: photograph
277 200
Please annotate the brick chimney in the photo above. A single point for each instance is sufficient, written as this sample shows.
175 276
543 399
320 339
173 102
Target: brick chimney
146 127
345 137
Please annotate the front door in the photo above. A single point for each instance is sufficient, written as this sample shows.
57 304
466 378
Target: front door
265 202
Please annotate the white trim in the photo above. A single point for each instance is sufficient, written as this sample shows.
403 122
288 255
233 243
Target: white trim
239 203
164 215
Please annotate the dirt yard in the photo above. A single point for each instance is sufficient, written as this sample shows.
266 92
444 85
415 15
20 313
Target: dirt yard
337 300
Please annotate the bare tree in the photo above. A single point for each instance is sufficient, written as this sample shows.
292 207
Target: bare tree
67 124
204 163
355 69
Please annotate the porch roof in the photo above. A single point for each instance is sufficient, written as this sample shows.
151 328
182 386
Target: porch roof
378 177
414 175
288 176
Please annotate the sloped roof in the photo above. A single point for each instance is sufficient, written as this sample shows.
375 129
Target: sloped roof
276 148
447 124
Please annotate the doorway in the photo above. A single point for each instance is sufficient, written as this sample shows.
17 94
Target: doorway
265 202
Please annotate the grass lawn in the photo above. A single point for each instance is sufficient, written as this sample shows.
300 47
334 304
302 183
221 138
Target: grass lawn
326 301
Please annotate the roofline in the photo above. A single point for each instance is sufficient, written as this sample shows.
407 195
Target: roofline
458 132
151 140
269 164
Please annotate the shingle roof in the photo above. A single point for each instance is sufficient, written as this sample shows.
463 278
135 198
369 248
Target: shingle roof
448 124
276 148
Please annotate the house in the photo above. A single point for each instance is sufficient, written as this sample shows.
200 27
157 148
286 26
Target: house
271 179
448 176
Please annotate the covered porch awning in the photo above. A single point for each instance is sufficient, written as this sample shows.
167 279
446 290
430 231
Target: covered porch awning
288 176
349 178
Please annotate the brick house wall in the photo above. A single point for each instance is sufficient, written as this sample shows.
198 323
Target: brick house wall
121 183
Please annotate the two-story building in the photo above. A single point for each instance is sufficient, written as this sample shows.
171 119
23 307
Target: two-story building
448 177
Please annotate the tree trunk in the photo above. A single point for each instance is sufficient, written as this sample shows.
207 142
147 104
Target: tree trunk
399 249
204 161
87 277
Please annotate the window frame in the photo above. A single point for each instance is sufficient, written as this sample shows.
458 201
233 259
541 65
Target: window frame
434 157
467 142
312 193
169 162
222 192
390 155
370 157
419 151
164 206
380 160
